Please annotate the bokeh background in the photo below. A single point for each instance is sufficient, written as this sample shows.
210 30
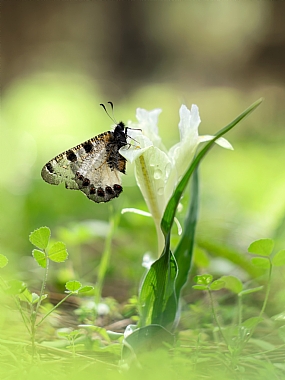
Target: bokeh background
60 59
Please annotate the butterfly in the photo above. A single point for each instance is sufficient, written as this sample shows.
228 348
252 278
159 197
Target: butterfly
92 167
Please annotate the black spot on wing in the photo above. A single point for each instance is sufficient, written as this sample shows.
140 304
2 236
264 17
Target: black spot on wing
86 182
49 167
118 189
87 146
109 191
71 156
100 192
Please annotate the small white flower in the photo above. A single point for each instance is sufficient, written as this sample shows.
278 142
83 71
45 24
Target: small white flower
158 171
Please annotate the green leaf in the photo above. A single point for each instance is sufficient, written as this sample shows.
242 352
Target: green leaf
26 296
3 261
261 262
184 250
114 335
40 237
157 296
36 298
262 247
147 339
40 257
73 286
250 323
281 333
200 287
249 291
58 252
232 283
203 279
169 213
217 285
279 317
279 258
16 287
85 289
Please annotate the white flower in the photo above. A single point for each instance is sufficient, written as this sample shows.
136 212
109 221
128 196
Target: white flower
158 171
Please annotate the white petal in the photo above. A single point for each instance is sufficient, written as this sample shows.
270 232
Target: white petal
148 123
135 211
149 118
139 144
152 170
220 141
179 228
189 122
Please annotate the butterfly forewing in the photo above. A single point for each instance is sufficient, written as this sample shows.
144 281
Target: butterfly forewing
93 167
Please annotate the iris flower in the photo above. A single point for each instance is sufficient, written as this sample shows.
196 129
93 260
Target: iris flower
157 170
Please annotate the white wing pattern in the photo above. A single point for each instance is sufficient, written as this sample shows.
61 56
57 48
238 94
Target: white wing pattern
93 167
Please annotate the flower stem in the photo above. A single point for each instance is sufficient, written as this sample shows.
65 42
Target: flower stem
151 199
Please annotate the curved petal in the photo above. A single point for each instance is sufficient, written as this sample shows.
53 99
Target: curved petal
140 144
224 143
189 122
148 123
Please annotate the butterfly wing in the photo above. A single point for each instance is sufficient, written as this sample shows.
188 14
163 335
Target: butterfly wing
93 167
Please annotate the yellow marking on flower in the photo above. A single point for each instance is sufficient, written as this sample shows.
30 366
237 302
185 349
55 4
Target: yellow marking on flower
151 196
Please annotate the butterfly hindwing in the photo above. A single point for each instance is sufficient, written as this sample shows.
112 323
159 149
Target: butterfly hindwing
93 167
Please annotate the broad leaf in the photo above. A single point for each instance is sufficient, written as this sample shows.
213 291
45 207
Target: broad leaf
26 296
262 247
85 289
217 285
250 323
203 279
73 286
36 298
40 237
261 262
3 261
157 295
146 340
40 257
279 258
58 252
232 283
200 287
16 287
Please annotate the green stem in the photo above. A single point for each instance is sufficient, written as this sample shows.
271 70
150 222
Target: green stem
216 317
55 307
265 299
104 262
150 197
24 317
34 313
267 290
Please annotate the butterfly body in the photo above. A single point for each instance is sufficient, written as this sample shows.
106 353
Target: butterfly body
93 167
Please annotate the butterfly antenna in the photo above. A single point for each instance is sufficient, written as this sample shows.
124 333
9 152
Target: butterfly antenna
112 106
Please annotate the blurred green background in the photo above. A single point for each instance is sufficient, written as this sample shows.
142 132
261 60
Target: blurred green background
60 59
